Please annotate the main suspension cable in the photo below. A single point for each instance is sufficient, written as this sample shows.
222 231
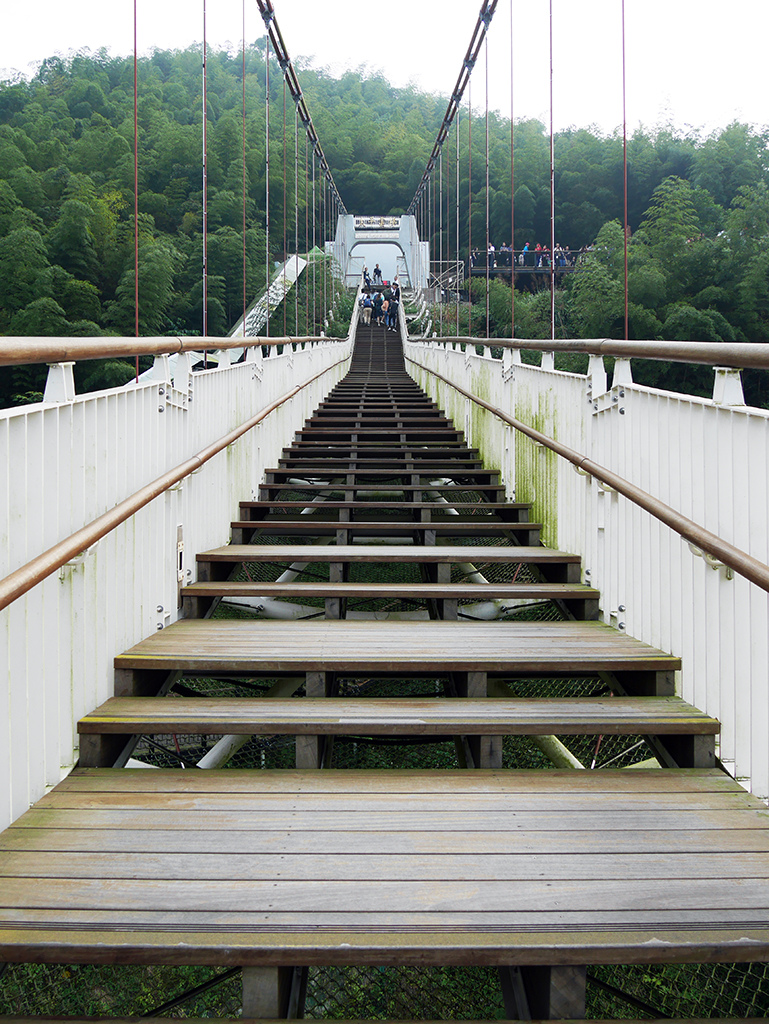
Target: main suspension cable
488 8
276 38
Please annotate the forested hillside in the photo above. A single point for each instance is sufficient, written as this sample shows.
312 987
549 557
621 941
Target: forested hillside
699 207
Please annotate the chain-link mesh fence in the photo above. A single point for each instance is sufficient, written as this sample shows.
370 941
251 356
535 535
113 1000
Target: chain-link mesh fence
380 993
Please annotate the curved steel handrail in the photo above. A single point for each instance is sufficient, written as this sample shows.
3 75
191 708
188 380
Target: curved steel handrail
743 563
22 351
737 355
28 576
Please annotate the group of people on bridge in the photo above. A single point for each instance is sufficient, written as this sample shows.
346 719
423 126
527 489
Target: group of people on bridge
533 257
382 306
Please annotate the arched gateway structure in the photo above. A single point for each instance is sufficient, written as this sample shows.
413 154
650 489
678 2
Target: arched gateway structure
392 241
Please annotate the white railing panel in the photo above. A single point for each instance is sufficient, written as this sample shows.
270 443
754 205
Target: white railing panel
707 461
67 464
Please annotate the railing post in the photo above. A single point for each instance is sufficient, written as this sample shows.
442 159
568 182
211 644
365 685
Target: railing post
727 386
161 369
597 373
60 384
183 372
623 373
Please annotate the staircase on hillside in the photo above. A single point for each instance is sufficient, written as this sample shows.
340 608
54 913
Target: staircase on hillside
377 512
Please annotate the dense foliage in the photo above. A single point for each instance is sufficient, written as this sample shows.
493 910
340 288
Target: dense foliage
699 207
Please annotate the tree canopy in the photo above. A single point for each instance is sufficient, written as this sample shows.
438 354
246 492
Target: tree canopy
698 212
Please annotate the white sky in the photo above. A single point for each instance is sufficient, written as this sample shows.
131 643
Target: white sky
692 63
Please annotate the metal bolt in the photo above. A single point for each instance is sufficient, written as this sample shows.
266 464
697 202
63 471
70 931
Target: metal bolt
620 625
622 393
161 408
622 412
161 391
620 607
160 608
587 572
160 625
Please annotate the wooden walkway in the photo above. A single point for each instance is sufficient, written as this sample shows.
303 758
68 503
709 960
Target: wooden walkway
379 507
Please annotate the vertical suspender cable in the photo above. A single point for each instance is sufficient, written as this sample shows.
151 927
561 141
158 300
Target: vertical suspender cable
136 186
267 178
470 206
243 332
325 235
296 219
457 224
440 232
307 235
205 186
512 186
552 189
314 243
285 197
430 221
488 235
624 163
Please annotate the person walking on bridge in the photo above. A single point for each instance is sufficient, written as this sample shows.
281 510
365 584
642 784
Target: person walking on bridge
392 314
377 304
377 275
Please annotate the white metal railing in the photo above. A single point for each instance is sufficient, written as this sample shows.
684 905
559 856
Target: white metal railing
706 458
66 463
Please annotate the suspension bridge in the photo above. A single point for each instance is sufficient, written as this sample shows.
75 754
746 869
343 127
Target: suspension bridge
387 650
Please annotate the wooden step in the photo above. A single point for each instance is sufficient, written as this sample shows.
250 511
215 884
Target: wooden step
559 566
347 432
412 474
271 491
580 601
446 449
574 716
349 867
508 511
449 467
244 530
353 647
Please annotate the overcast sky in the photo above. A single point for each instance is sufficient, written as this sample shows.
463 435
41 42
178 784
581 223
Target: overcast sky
692 63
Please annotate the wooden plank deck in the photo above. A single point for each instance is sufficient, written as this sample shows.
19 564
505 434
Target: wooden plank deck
362 647
355 867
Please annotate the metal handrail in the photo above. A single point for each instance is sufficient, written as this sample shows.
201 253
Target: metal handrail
22 351
743 563
28 576
737 355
